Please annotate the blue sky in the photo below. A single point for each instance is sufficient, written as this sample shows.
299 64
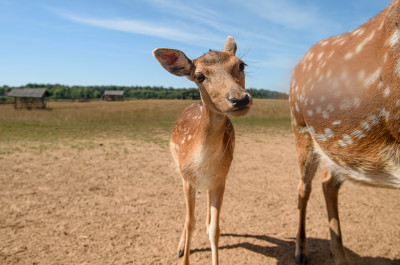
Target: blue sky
98 42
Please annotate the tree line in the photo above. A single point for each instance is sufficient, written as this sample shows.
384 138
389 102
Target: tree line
58 91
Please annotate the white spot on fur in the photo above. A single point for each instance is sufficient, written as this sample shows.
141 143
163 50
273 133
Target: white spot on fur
397 67
342 143
311 130
347 139
330 108
303 130
386 92
394 38
358 134
372 78
297 107
357 102
384 114
328 74
364 42
310 112
398 103
329 133
358 32
381 25
318 109
365 125
342 42
373 119
324 43
346 104
348 56
325 114
321 137
320 56
337 123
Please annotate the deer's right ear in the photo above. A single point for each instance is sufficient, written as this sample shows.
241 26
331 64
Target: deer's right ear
174 61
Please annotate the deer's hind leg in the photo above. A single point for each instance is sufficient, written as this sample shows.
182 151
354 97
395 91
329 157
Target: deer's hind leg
331 185
308 164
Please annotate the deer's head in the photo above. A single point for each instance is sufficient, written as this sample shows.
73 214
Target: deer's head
218 74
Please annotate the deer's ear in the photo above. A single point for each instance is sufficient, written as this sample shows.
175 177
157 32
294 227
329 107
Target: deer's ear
230 45
174 61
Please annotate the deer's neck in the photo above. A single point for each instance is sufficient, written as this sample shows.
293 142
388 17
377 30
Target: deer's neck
213 125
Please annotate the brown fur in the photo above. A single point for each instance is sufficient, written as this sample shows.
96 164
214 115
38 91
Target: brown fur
345 106
203 139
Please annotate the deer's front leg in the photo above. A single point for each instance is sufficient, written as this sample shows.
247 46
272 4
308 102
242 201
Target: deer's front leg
184 244
216 196
208 217
308 167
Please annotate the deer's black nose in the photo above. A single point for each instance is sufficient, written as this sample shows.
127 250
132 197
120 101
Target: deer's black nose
240 102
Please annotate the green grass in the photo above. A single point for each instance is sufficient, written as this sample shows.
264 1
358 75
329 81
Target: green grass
148 120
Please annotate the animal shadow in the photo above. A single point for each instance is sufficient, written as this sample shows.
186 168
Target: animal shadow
283 250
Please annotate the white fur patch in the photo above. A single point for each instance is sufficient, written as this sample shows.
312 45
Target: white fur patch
394 38
372 78
389 177
364 42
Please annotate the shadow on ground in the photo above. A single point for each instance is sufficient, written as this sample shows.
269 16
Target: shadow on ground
283 251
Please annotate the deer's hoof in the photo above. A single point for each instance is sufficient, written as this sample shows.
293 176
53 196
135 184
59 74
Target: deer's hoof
181 252
301 260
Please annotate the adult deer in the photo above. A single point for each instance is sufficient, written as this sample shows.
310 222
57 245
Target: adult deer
345 106
203 139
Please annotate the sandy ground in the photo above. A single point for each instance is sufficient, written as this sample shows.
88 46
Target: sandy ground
121 202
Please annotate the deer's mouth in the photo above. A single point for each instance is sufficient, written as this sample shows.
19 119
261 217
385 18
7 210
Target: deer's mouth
239 111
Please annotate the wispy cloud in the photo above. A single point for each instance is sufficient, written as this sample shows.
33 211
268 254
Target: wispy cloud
199 14
181 8
287 13
142 27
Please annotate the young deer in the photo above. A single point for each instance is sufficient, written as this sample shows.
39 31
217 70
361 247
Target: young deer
345 106
203 139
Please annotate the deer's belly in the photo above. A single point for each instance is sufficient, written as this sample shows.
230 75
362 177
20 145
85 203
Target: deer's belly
385 173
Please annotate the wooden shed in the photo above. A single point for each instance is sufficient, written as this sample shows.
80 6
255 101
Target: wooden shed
113 95
29 98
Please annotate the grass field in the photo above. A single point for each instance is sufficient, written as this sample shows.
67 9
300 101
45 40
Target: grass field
95 183
134 119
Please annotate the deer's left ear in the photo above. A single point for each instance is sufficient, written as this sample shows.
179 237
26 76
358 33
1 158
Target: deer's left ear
230 45
174 61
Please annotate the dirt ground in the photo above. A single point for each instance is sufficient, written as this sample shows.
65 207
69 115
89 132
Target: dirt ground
120 201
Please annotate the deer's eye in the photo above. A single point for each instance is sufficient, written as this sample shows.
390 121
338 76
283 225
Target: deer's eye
242 66
200 78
